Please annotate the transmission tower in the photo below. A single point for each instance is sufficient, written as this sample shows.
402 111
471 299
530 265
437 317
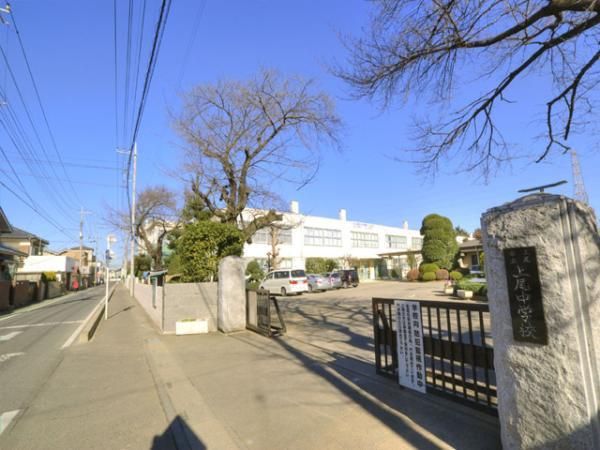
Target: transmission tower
579 187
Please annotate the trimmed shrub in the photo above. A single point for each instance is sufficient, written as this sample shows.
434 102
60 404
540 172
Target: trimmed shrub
477 288
48 276
455 275
441 274
428 276
429 267
412 275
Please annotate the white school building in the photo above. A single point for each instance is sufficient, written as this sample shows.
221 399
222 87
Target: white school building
365 246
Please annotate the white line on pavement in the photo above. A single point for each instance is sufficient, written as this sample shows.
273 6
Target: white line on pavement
9 336
44 324
6 418
7 356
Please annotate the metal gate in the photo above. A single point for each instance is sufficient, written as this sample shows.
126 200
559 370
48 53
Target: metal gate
260 306
459 357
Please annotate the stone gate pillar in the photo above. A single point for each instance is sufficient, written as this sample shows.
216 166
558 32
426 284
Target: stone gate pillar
542 263
231 295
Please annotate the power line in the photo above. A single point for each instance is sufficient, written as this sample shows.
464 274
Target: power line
39 99
116 73
91 183
158 34
193 36
127 68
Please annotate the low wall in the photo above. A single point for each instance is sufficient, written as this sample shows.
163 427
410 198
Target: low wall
143 294
182 301
21 295
5 295
54 289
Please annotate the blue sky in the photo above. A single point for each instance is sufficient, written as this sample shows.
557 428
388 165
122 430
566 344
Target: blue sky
70 48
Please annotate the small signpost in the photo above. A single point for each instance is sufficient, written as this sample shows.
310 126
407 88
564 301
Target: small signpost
525 295
411 355
110 239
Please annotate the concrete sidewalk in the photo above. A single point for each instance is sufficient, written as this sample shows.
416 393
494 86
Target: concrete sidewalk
131 388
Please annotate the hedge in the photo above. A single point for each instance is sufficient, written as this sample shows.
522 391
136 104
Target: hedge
412 275
455 275
477 288
441 274
428 276
429 267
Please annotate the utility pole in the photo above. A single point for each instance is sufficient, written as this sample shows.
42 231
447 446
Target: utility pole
81 215
132 248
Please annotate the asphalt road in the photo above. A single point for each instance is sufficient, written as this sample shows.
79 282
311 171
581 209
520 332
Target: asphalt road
31 347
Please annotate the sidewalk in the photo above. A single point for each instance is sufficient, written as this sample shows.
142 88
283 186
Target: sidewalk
131 388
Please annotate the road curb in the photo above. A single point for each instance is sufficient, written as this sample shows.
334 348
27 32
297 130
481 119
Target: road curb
91 322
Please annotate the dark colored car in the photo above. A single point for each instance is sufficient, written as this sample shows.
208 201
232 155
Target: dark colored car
349 277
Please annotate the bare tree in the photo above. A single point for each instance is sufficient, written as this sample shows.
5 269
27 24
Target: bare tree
415 47
156 215
244 137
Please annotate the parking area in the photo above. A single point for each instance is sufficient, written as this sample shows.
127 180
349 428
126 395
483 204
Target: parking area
339 322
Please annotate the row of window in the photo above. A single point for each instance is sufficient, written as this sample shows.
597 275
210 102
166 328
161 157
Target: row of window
325 237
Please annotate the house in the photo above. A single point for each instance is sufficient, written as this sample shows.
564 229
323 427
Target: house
86 261
351 243
23 241
469 254
9 256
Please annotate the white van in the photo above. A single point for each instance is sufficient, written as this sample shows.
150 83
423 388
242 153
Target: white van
285 281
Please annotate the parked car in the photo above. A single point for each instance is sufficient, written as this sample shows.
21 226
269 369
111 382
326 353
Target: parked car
349 277
334 280
285 281
317 282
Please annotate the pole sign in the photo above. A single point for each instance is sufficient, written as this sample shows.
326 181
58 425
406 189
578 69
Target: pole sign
411 356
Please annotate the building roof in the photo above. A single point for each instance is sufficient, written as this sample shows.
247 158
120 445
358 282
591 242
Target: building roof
471 244
9 251
4 223
18 233
77 248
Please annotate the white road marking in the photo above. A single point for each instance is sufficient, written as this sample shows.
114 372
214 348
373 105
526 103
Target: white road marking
7 356
6 418
44 324
9 336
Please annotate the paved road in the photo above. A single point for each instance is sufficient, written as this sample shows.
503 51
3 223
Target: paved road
31 347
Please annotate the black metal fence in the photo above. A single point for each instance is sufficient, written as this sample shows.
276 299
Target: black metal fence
260 309
459 356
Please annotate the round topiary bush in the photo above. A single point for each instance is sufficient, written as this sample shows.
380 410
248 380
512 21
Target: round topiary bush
455 275
412 275
441 274
428 276
429 267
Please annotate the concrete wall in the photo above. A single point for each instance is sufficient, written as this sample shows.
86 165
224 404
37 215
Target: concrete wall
182 301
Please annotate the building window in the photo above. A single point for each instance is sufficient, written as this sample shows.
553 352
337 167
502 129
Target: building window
399 242
364 240
322 237
416 243
263 236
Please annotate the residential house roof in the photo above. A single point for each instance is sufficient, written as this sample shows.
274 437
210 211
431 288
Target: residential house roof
9 251
4 223
18 233
470 244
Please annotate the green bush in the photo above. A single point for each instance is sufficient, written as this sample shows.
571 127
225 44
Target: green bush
455 275
254 272
439 240
394 273
477 288
441 274
428 276
202 245
412 275
429 267
48 276
320 265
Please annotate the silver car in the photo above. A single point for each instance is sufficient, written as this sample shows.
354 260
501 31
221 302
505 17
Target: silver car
334 280
317 283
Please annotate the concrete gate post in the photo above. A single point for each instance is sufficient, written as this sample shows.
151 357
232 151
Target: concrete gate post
542 262
231 294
